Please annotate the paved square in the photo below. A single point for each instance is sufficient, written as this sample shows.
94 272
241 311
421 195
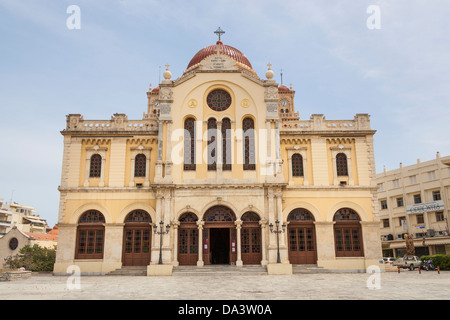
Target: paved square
392 285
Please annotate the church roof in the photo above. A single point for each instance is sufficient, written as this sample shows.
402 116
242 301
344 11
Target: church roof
283 88
230 51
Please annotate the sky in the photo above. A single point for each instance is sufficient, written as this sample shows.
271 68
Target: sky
341 57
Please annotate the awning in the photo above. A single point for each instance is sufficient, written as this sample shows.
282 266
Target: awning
34 220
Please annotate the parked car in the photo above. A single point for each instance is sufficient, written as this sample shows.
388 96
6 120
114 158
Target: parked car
389 260
410 262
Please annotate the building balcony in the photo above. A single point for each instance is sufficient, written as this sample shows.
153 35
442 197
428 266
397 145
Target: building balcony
5 223
5 212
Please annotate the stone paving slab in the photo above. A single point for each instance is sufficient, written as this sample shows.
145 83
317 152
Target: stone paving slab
392 286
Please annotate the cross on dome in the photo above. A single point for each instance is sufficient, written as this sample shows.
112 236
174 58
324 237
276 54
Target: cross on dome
219 32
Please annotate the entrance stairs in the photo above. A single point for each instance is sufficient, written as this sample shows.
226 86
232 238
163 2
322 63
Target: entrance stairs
307 269
219 270
129 271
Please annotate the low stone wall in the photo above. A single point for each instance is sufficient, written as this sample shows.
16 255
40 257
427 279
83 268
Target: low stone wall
15 275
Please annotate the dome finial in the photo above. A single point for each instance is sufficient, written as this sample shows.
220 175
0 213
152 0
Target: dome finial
269 73
219 32
167 74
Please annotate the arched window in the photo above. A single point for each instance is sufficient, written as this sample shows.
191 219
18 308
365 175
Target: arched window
299 215
347 233
226 144
297 165
250 217
212 144
138 216
248 127
96 166
188 217
189 144
219 213
341 164
90 236
139 165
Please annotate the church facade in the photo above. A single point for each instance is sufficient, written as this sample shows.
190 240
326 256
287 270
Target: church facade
219 163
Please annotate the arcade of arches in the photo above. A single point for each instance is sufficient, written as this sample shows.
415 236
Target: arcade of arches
219 238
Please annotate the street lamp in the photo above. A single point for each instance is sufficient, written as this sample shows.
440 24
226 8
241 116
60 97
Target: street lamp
277 231
161 232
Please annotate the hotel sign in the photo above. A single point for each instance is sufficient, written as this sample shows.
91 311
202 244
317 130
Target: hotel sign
425 207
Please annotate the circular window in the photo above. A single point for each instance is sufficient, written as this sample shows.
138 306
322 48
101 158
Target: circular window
219 100
13 243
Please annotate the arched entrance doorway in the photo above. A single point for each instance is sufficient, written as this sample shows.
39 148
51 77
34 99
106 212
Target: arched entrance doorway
301 237
251 250
219 236
188 239
137 239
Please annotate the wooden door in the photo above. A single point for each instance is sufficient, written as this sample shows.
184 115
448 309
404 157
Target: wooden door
302 243
137 244
188 246
251 245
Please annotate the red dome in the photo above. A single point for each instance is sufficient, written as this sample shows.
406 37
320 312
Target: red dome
283 88
233 53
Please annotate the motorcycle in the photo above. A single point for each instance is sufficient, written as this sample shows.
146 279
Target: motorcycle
428 265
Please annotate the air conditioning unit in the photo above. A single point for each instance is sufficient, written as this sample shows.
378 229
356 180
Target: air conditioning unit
384 238
139 185
342 183
430 232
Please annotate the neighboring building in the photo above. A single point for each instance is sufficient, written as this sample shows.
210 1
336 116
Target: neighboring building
120 178
415 199
5 218
16 239
21 216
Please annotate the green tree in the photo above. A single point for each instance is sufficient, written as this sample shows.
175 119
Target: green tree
35 258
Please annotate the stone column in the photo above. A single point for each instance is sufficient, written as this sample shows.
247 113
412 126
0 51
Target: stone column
156 237
147 172
168 162
272 217
102 174
291 179
238 224
133 167
200 224
158 167
86 177
263 224
175 225
269 148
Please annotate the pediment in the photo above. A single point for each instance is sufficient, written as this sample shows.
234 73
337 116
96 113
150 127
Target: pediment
217 62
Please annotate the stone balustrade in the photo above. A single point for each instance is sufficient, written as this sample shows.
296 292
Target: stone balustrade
318 122
118 122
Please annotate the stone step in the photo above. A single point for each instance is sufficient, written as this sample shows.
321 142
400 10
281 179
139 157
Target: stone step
129 271
307 269
219 270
